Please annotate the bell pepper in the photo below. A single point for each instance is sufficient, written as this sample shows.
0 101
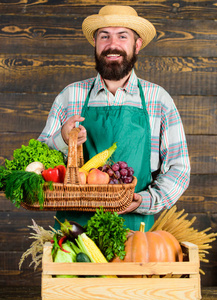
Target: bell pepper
56 174
62 172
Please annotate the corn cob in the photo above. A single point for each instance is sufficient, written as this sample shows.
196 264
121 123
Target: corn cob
99 159
92 251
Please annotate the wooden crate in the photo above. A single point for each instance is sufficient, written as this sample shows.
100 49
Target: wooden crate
159 281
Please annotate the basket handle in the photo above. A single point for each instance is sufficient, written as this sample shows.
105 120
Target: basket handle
72 170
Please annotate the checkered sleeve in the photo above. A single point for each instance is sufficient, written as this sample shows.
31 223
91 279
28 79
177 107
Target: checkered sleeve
174 165
68 103
51 134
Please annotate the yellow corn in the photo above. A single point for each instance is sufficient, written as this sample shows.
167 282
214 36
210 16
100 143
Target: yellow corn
92 248
94 252
99 159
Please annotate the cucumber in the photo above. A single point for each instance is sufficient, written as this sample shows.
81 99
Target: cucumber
82 257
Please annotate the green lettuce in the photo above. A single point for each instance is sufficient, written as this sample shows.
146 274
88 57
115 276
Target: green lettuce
35 151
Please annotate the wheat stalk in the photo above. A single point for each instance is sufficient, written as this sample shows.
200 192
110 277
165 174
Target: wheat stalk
181 228
36 248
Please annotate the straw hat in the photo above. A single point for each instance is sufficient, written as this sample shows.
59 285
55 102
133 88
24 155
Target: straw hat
118 16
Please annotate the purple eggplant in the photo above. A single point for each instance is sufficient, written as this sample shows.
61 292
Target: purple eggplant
70 229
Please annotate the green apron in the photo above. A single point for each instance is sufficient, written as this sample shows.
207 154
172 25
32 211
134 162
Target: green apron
129 127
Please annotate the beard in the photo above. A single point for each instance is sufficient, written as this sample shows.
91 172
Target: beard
114 70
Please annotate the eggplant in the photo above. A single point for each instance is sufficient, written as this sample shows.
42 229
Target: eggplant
70 229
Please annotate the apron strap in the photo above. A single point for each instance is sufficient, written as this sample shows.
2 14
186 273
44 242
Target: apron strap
88 97
142 96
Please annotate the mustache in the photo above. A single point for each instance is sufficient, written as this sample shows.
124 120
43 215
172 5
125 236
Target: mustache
113 51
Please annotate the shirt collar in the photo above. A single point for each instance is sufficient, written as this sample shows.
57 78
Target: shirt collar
131 86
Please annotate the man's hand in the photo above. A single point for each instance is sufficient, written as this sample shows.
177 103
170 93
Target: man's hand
137 200
67 127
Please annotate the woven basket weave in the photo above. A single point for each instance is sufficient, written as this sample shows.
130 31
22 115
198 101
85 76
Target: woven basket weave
72 195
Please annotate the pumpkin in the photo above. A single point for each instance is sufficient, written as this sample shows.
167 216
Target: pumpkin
155 246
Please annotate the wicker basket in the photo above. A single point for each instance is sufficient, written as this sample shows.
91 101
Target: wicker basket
71 195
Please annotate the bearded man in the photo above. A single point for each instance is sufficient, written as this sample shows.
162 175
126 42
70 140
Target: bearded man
117 106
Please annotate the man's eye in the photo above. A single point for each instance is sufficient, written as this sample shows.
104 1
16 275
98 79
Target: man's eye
104 37
123 37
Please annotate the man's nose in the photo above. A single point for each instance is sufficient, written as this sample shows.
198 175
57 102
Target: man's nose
113 42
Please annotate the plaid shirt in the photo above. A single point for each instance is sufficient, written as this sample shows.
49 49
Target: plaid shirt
169 153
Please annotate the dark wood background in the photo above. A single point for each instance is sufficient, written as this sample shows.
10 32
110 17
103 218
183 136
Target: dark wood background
42 49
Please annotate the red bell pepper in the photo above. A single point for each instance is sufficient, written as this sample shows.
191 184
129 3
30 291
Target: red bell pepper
62 172
56 174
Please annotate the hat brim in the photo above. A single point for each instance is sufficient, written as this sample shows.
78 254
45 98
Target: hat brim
141 26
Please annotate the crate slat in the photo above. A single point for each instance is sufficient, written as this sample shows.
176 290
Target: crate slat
159 281
119 289
120 268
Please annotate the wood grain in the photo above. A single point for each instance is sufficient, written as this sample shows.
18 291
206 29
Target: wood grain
34 293
202 149
122 288
43 50
178 75
200 197
15 235
56 35
203 9
28 112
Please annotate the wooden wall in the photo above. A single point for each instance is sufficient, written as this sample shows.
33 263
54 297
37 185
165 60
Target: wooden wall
42 50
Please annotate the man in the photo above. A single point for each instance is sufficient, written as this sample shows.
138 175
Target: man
116 106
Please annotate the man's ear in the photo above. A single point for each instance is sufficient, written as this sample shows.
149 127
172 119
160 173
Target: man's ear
138 45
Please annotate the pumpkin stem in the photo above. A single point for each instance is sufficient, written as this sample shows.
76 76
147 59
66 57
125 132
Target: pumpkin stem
142 227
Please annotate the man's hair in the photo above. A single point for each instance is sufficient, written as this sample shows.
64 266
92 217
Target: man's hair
136 36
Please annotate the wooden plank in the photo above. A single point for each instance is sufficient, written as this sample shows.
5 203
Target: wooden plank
202 150
43 50
15 233
120 269
194 257
20 292
34 293
209 293
28 112
50 74
116 269
60 35
119 289
15 226
10 273
11 141
203 9
51 268
200 197
198 114
180 75
14 241
15 72
129 268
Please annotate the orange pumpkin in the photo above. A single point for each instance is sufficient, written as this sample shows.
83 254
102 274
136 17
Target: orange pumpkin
155 246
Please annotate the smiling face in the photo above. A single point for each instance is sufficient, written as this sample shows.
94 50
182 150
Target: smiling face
115 52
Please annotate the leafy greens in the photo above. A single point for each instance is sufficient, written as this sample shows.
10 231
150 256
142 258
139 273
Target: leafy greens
108 231
35 151
21 186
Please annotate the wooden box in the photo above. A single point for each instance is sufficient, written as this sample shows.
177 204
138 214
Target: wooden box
179 280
